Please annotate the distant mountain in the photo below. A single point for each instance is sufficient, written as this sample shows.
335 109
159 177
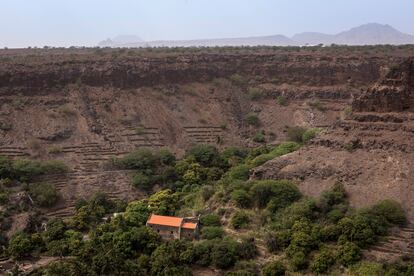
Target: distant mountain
373 33
368 34
120 40
274 40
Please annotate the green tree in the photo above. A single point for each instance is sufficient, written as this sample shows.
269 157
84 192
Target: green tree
20 245
240 220
137 213
43 194
275 268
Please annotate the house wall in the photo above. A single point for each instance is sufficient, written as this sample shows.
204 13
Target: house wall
166 232
188 234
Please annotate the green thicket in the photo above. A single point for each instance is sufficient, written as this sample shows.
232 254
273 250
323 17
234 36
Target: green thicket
314 235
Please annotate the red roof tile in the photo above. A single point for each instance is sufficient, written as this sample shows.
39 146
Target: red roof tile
165 220
189 225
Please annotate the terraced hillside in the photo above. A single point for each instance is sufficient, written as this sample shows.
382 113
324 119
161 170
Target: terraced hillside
86 106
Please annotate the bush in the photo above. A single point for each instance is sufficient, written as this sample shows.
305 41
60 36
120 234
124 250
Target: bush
296 133
43 194
210 220
367 268
282 101
275 268
323 261
207 192
278 240
237 79
141 159
259 138
280 150
142 181
224 254
252 119
317 105
212 232
240 172
247 248
391 211
349 254
206 155
277 193
241 198
137 213
298 261
255 94
309 134
20 245
240 220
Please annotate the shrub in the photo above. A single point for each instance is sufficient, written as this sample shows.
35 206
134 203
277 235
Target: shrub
277 193
323 261
317 105
259 138
241 198
212 232
255 94
247 248
137 213
282 101
252 119
240 172
309 134
237 79
20 245
367 268
6 167
224 254
142 181
296 133
43 194
244 268
298 261
240 220
349 254
207 192
206 155
141 159
278 240
280 150
210 220
391 211
275 268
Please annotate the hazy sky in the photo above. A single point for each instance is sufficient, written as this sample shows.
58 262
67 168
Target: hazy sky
86 22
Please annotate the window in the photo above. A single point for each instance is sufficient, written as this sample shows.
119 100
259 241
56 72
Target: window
158 230
172 232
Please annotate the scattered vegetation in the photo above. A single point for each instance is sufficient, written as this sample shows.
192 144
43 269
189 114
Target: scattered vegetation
281 100
255 94
317 105
238 79
317 236
301 134
252 119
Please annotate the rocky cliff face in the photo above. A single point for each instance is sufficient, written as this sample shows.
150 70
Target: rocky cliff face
370 151
394 93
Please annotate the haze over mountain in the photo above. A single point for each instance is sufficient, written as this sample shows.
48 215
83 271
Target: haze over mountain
367 34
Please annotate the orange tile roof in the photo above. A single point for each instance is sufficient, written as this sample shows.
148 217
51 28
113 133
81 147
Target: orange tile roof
189 225
165 220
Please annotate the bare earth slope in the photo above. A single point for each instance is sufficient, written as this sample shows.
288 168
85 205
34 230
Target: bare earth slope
86 106
371 153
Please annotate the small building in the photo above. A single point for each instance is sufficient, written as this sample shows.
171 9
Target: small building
174 227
